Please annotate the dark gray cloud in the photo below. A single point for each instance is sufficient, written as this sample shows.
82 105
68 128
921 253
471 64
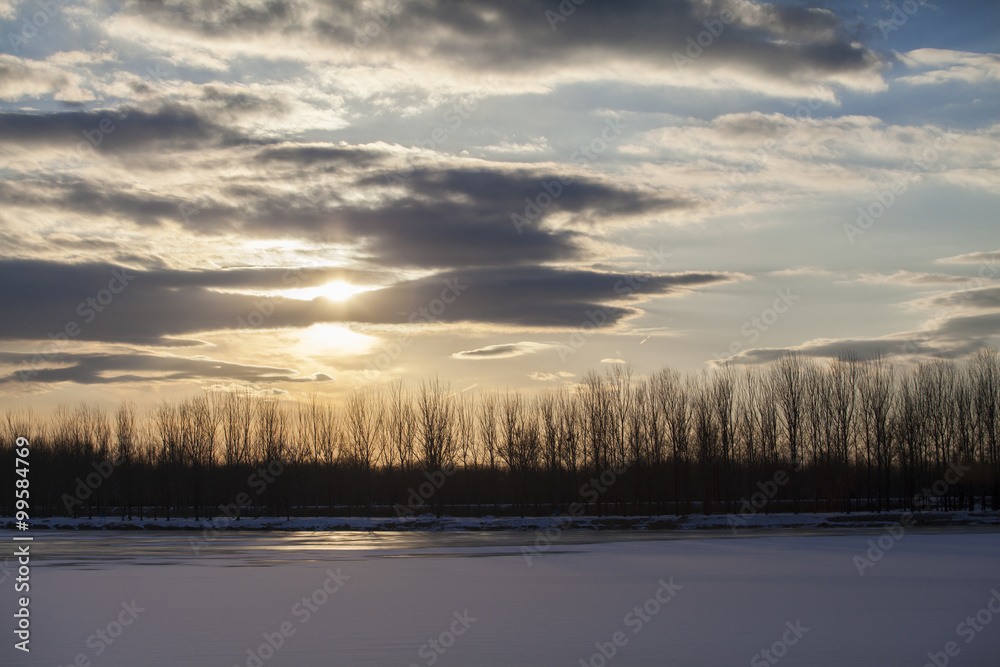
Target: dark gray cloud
89 198
137 367
116 130
503 351
950 338
108 303
525 296
152 306
442 217
223 19
242 102
850 349
987 297
973 331
520 35
452 217
330 157
464 217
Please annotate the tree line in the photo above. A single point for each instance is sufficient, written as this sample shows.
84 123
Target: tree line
796 435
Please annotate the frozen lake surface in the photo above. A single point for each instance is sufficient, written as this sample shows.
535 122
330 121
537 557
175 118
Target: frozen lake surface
354 598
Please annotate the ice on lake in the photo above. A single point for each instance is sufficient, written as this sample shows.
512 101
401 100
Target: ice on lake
183 598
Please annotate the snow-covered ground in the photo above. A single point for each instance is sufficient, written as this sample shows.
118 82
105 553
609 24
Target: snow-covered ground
429 522
483 598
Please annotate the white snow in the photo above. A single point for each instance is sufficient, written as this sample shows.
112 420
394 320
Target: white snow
731 598
429 522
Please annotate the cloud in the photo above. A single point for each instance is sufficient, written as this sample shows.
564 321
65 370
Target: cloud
986 258
942 337
504 351
21 78
853 349
113 131
503 36
455 213
167 307
141 368
902 277
325 155
527 45
525 296
542 376
941 66
983 298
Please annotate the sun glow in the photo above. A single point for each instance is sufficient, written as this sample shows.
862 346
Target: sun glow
335 339
338 290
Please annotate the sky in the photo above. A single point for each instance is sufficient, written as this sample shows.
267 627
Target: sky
312 197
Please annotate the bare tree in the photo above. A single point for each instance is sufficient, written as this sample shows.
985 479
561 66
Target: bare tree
520 445
723 401
788 388
844 431
750 428
435 424
551 438
706 439
487 428
400 425
597 415
985 379
169 452
673 396
436 430
908 424
876 384
126 434
465 430
238 415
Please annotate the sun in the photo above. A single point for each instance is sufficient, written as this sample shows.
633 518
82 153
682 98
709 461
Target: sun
337 290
